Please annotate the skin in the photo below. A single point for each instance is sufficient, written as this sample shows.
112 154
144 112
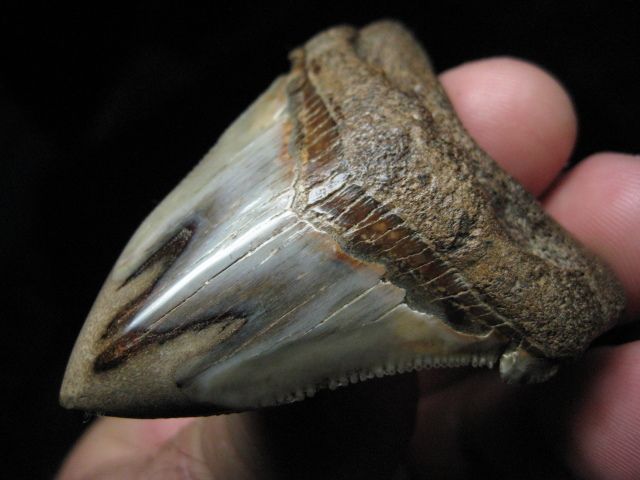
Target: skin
457 423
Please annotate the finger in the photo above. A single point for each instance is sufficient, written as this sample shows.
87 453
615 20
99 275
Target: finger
585 421
484 421
604 431
518 113
118 445
524 119
166 448
445 419
599 203
359 432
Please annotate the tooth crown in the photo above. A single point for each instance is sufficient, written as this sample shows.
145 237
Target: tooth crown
344 227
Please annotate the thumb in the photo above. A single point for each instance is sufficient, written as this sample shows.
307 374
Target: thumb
357 432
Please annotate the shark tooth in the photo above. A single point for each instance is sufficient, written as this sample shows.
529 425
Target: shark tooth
344 227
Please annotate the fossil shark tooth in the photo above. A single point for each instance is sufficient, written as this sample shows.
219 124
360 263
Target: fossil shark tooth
344 227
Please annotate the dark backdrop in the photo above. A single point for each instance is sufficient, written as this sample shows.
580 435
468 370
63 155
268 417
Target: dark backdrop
103 111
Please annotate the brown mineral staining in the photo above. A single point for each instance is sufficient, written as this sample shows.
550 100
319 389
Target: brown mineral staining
161 259
133 343
167 253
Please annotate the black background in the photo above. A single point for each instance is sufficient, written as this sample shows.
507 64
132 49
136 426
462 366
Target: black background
103 111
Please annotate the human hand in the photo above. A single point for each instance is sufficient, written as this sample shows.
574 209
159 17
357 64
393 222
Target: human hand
584 423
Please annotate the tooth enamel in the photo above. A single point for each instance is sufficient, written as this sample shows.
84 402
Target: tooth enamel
344 227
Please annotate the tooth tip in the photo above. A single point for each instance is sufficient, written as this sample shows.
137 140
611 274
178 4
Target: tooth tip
143 389
113 398
80 393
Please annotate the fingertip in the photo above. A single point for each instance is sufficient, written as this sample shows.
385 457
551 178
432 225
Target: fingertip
605 430
231 446
599 203
116 447
517 112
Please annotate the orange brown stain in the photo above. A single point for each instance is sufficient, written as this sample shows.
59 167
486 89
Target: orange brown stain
285 154
344 257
